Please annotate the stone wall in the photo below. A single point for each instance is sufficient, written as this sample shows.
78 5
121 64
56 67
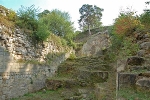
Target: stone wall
19 44
17 77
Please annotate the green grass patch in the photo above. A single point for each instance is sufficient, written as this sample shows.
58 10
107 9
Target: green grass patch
132 94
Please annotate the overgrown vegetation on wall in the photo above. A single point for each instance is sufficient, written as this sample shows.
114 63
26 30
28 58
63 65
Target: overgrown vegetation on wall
38 25
124 34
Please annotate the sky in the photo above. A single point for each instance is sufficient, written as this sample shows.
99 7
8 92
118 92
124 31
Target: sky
111 7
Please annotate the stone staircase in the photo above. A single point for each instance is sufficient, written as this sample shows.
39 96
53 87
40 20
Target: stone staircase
85 78
135 72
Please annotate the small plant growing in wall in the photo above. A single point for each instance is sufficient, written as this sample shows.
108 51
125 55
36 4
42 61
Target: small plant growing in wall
31 80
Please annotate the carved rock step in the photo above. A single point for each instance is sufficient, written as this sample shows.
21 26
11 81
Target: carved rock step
145 45
134 79
92 76
54 84
144 82
139 68
135 60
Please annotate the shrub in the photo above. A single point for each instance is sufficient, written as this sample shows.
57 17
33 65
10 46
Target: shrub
27 17
126 23
42 32
72 56
121 47
12 16
4 20
129 48
145 17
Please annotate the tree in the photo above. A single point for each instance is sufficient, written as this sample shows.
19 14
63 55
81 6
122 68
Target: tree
44 13
90 17
27 17
145 17
42 32
126 23
59 23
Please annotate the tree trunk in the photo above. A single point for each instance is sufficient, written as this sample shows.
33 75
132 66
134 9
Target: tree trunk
89 29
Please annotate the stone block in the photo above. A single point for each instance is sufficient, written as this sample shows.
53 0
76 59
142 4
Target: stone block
134 60
144 82
145 45
126 79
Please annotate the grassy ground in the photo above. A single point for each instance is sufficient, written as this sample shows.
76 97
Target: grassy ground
132 94
60 94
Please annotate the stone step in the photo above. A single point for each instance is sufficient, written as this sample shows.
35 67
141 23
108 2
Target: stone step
135 60
93 76
144 82
55 83
139 68
141 80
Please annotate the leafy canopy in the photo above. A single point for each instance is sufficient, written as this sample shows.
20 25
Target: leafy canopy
58 23
90 17
27 17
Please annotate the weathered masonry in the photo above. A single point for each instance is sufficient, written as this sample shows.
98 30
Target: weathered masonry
17 79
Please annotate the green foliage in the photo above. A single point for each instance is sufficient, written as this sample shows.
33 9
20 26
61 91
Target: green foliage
72 44
56 39
4 20
12 16
90 17
129 48
121 47
64 42
72 56
126 23
42 32
145 17
27 17
132 94
44 13
59 23
51 57
9 19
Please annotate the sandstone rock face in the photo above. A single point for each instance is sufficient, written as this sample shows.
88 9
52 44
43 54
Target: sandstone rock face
96 44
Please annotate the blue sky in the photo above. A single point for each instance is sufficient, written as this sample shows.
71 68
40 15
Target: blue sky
111 7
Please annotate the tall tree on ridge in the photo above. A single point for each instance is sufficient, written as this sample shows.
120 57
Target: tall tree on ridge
90 17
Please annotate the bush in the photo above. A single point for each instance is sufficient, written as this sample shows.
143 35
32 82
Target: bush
72 56
42 32
129 48
12 16
126 23
145 17
121 48
27 17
